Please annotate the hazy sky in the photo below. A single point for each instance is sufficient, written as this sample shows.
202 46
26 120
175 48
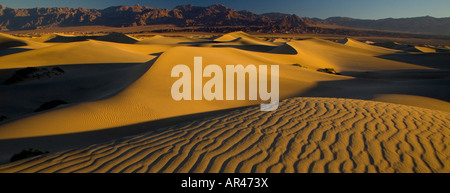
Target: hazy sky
364 9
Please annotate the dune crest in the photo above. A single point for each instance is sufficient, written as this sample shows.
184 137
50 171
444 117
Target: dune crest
9 41
360 45
424 49
418 101
242 38
83 52
118 38
59 38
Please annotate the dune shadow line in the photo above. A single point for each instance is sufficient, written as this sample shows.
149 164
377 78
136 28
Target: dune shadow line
56 143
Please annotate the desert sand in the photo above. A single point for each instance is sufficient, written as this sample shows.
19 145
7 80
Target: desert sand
303 135
119 85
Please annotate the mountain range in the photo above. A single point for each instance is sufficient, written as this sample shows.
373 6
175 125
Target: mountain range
206 17
426 24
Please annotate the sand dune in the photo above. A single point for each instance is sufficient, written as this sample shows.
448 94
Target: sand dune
419 101
59 38
64 38
149 97
407 48
121 81
162 40
118 38
284 49
318 53
360 45
424 49
98 81
303 135
243 38
280 40
85 52
8 41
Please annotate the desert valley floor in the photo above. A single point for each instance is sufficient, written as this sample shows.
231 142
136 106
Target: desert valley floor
103 104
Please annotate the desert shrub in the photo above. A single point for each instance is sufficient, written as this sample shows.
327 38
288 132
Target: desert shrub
27 153
21 75
50 105
298 65
3 117
33 73
57 70
328 70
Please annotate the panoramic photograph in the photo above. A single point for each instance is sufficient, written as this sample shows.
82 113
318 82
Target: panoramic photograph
227 86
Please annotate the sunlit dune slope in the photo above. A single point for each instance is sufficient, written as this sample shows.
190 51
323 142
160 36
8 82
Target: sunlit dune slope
162 40
84 52
8 41
363 46
407 48
418 101
323 53
303 135
425 49
58 38
242 39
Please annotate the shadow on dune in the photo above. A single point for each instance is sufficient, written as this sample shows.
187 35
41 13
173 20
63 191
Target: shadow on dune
367 85
66 88
111 37
432 60
80 83
156 54
117 38
255 48
8 51
282 49
57 143
199 43
64 39
10 44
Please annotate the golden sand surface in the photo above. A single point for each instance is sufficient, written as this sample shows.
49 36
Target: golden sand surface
400 125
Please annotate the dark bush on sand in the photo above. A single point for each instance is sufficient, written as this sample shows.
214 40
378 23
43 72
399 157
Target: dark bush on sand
26 154
50 105
328 70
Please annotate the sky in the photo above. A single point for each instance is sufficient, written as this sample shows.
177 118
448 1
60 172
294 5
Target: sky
362 9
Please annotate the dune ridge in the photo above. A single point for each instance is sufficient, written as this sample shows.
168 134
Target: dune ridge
304 135
243 38
84 52
9 41
370 48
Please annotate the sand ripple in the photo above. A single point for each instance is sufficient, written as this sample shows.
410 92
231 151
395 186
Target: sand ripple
303 135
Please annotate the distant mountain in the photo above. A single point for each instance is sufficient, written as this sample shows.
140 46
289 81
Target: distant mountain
185 15
275 15
427 24
214 18
17 19
117 16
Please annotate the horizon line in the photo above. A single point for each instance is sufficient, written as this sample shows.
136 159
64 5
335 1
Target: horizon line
407 17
